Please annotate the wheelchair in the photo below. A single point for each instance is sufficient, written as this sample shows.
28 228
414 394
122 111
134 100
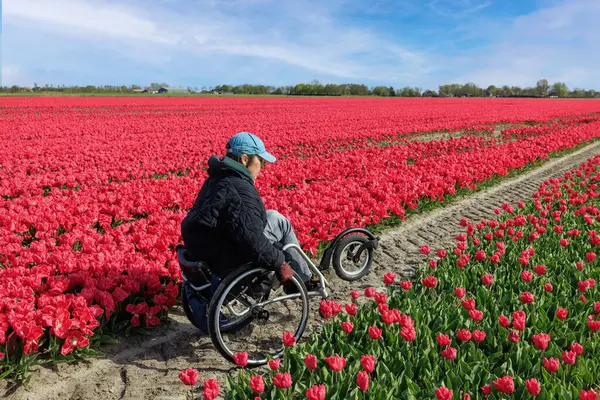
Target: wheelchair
248 310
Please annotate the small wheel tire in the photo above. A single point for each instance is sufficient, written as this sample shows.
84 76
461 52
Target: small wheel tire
338 258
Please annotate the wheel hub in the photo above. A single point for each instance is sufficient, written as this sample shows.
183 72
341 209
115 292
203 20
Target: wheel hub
260 314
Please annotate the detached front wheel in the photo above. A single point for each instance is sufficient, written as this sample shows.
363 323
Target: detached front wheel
348 264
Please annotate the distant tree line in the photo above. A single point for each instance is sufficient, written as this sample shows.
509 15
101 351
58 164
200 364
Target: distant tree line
315 88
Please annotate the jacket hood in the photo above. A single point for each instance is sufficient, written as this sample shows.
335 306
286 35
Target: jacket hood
219 166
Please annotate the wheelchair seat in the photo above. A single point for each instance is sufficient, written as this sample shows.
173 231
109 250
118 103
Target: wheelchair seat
196 272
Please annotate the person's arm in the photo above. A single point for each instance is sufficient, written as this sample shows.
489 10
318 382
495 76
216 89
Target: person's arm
246 227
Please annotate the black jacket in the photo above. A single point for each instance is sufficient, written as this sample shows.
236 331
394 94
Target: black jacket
225 226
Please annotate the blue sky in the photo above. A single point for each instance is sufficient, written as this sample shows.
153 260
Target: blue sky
421 43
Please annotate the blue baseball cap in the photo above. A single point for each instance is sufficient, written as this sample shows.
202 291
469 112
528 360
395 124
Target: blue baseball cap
248 143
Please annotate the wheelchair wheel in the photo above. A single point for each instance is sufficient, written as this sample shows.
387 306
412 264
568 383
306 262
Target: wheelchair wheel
343 258
266 315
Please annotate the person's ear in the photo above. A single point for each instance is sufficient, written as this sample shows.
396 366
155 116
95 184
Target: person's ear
244 160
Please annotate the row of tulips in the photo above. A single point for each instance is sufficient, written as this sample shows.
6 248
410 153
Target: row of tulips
512 311
66 141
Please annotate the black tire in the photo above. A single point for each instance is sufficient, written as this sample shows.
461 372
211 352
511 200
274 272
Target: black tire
219 298
340 255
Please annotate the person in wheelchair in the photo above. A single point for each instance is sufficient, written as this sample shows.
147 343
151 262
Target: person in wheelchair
228 225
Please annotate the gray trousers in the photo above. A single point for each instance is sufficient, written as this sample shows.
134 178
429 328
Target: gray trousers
279 230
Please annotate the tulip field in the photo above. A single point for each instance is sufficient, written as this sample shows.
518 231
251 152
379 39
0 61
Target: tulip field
93 190
512 311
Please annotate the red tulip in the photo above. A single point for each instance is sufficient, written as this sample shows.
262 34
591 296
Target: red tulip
486 390
504 321
336 363
479 336
189 376
527 297
316 392
443 340
449 353
406 285
463 335
527 276
533 386
374 332
487 279
551 364
211 389
288 339
389 278
425 250
588 395
355 294
443 393
593 324
257 384
380 298
519 320
351 309
241 359
362 380
505 385
430 281
408 333
370 292
460 292
347 327
368 363
577 349
568 357
548 287
476 315
540 269
282 380
310 361
442 253
541 341
468 304
274 364
562 313
513 336
590 257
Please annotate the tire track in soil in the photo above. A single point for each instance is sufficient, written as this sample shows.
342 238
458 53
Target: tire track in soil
148 367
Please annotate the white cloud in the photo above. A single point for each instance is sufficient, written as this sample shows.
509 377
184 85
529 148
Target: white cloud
79 16
558 43
457 8
304 35
11 75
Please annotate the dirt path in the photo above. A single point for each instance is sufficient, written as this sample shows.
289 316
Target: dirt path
148 367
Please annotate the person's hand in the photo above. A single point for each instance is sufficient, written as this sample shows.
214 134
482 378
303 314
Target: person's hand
286 272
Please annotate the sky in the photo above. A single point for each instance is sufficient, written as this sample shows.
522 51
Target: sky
198 43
